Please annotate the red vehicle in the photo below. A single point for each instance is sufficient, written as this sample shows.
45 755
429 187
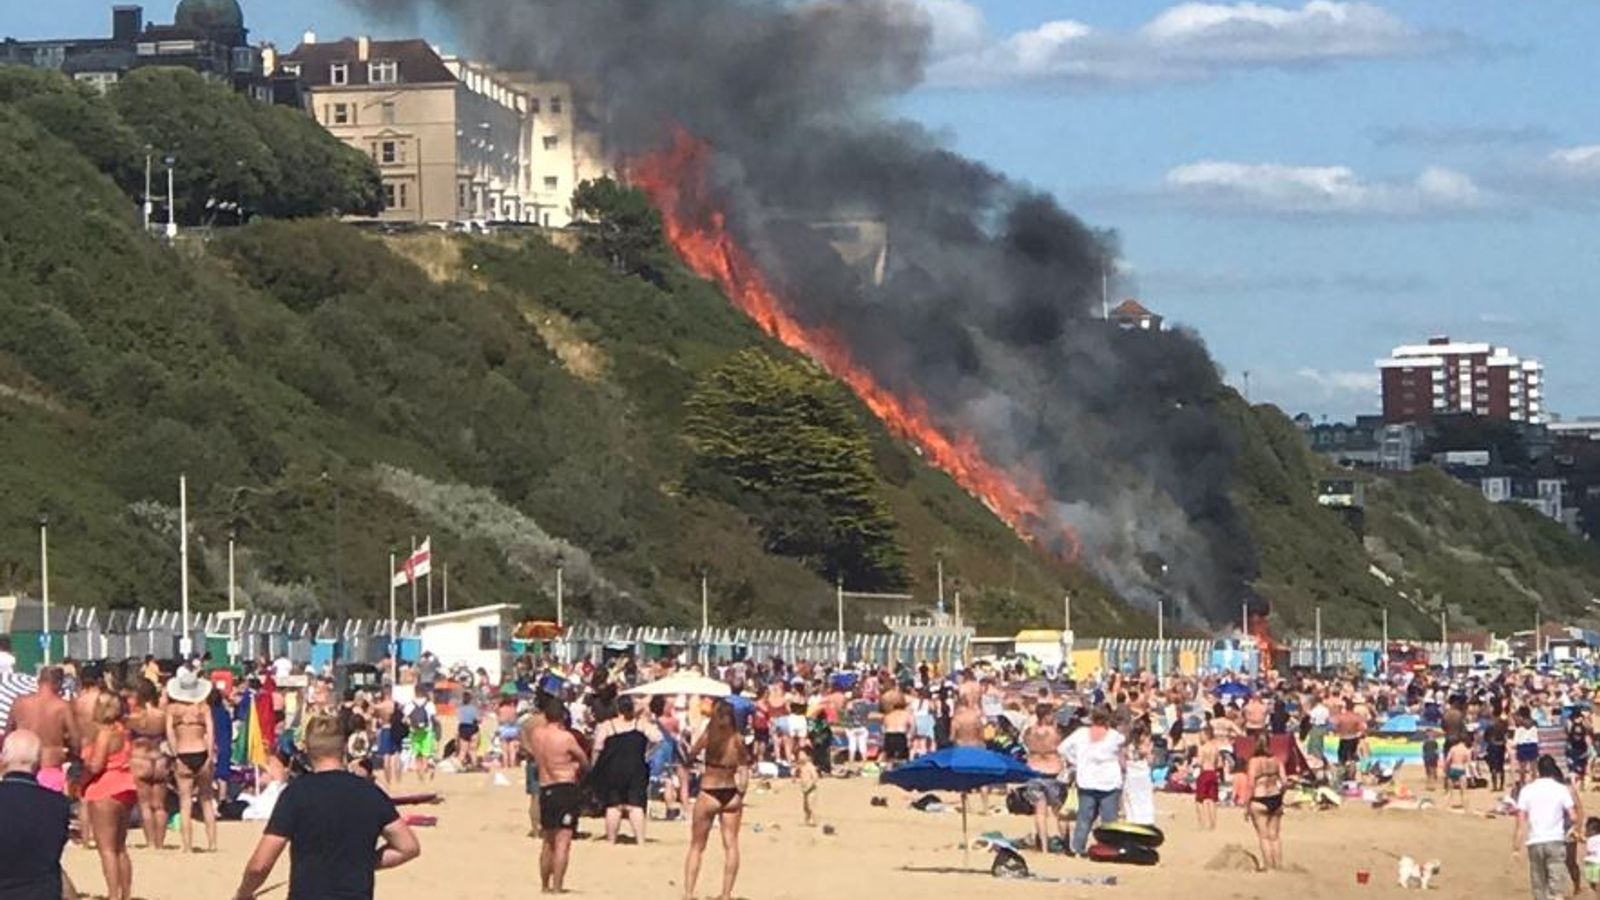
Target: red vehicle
1404 656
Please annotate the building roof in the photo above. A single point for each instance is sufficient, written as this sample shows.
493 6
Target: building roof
418 63
472 613
1131 308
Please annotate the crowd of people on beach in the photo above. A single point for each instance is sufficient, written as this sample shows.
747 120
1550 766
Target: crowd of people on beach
142 747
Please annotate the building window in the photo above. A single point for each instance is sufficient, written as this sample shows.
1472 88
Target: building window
388 112
488 637
551 182
339 73
341 114
383 71
291 68
388 152
533 105
463 195
391 198
100 81
552 141
555 106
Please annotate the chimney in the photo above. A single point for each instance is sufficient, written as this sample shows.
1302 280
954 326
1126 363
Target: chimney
126 22
363 48
308 38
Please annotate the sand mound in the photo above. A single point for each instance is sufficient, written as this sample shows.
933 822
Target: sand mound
1234 858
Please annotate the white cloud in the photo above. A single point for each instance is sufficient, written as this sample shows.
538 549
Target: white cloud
1445 136
1575 163
1189 41
1567 178
1346 382
1329 191
1338 393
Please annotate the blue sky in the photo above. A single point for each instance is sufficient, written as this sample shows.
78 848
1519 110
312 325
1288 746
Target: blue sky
1305 183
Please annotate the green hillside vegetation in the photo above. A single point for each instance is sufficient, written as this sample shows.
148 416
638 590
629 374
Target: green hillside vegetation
331 395
1445 547
534 401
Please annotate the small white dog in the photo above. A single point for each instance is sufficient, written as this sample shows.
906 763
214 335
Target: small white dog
1415 874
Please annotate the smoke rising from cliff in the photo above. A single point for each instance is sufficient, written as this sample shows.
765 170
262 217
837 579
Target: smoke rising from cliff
988 305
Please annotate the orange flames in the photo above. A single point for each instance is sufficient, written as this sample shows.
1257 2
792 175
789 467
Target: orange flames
1262 635
675 179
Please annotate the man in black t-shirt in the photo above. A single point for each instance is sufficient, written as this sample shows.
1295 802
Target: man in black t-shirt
331 821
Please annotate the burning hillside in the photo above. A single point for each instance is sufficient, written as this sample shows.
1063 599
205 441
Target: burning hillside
675 179
978 340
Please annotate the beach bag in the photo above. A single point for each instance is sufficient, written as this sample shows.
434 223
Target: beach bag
1017 803
1124 855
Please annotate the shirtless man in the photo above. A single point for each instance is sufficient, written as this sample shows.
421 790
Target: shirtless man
1255 717
46 714
1041 739
969 692
530 770
966 726
897 726
1351 727
560 761
1208 780
966 730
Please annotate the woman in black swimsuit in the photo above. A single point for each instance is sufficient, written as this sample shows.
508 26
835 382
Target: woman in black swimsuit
621 772
722 787
1266 803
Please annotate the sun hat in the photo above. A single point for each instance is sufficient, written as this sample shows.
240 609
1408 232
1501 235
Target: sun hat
187 687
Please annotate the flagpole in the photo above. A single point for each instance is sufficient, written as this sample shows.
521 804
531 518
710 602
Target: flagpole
446 597
411 576
429 541
394 640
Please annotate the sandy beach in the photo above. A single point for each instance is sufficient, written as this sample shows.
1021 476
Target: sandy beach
480 850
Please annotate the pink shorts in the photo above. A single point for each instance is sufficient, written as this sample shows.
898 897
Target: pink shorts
55 779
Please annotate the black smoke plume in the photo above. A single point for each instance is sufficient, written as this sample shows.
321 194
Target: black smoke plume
988 306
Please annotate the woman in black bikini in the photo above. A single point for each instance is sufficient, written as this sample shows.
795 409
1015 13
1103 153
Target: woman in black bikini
191 738
147 730
1266 804
722 787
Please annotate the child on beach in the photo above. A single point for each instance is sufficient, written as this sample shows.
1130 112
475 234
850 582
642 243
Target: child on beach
1241 784
806 772
1430 758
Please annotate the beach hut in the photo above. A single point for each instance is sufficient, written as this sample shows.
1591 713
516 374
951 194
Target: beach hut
476 638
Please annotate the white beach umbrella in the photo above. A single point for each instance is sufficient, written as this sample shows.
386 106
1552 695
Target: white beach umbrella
679 683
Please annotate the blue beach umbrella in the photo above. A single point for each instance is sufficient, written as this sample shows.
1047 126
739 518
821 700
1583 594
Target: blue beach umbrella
960 769
1233 689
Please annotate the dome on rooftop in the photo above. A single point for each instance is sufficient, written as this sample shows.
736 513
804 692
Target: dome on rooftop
209 15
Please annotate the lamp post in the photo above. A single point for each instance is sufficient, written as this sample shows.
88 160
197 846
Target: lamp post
44 580
172 205
561 609
185 643
147 204
233 624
